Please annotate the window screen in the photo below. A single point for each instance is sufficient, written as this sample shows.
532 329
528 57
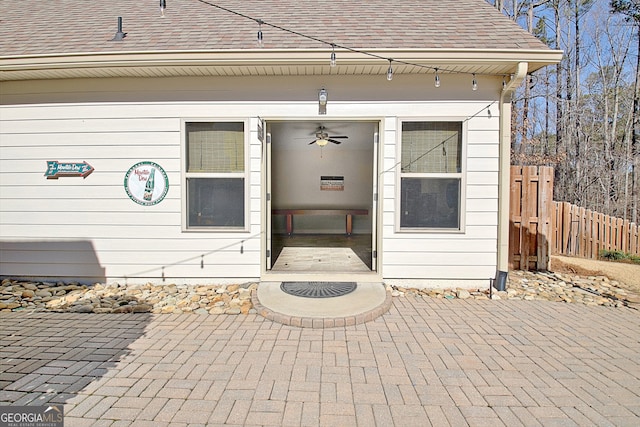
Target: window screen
431 147
215 147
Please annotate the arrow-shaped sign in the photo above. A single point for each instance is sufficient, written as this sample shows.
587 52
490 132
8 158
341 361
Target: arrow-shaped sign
56 169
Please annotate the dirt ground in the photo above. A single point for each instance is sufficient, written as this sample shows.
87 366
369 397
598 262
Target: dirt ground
629 274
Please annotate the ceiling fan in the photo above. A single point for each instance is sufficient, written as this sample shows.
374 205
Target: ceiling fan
323 137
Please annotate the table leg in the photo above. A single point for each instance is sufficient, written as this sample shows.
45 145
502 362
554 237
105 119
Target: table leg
289 224
349 224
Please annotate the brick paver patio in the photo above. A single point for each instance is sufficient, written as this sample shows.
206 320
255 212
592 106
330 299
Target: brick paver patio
425 362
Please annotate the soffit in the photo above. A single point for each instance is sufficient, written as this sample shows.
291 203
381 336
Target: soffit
267 63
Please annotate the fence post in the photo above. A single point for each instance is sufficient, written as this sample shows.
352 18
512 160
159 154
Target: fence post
545 217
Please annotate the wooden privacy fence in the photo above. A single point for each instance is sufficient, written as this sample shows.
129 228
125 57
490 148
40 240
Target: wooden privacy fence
580 232
530 203
539 227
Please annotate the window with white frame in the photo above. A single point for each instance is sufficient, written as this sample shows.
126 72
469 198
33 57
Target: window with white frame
431 175
215 174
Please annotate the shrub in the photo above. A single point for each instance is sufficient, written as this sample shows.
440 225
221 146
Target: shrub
612 255
619 256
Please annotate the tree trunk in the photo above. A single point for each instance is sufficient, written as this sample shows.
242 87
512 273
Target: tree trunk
635 135
559 171
576 114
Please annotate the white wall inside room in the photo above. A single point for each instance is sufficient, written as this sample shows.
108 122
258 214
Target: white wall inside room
297 168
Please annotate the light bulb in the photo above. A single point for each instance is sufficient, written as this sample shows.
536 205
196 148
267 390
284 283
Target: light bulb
474 83
333 56
390 72
437 82
260 43
323 96
163 6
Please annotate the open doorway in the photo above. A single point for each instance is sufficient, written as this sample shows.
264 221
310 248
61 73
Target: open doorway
322 185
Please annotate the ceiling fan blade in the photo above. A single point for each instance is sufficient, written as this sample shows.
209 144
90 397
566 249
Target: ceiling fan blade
334 141
312 142
339 137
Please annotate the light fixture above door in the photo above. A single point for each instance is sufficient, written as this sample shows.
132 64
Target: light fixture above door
323 95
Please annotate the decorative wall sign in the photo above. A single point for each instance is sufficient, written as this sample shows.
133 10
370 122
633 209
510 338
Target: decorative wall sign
332 183
56 169
146 183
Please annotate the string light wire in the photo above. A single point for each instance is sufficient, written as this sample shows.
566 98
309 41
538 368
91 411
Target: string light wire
399 162
188 260
221 249
335 45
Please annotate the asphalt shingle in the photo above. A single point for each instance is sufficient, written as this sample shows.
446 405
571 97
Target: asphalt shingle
36 27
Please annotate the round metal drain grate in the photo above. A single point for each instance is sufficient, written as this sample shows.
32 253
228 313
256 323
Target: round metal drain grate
318 289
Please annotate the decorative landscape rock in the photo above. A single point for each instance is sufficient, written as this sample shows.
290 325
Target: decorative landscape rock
529 286
115 298
236 299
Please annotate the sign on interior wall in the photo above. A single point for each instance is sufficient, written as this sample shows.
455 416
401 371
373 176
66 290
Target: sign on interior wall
146 183
332 183
56 169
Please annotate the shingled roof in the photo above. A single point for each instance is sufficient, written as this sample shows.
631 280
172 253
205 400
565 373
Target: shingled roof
437 29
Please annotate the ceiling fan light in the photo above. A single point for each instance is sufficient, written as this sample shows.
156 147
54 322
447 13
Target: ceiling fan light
322 142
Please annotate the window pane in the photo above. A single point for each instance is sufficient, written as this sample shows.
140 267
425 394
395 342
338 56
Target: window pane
216 202
215 147
430 202
431 147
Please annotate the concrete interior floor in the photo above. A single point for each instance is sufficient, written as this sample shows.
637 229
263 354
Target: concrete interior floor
322 252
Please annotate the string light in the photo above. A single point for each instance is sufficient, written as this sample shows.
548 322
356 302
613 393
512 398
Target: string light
333 55
504 83
260 42
333 45
189 260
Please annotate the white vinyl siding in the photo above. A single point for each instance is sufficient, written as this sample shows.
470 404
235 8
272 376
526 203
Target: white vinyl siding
465 257
88 228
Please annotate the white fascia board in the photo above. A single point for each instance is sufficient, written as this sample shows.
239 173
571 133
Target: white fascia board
277 58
